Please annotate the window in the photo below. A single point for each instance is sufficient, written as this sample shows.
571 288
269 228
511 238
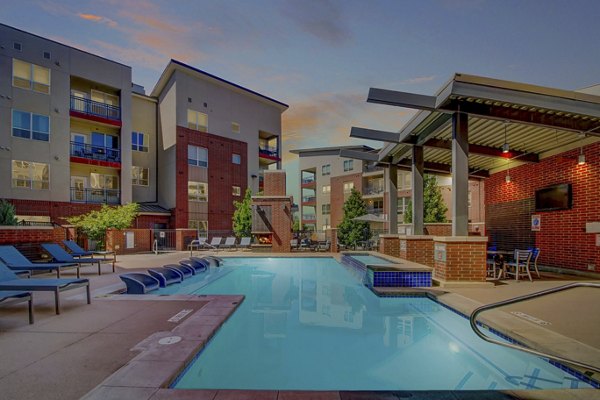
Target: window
200 226
403 204
197 120
139 176
469 199
326 169
348 165
30 126
104 98
325 227
47 55
404 180
139 141
31 76
17 46
348 186
325 209
101 181
235 128
197 156
197 191
236 158
326 189
30 175
236 190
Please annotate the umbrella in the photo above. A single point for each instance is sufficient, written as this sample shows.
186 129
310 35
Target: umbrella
370 218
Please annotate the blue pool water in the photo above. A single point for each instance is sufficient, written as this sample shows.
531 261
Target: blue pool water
308 323
370 260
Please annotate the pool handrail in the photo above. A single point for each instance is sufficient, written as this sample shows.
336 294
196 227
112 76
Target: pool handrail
479 310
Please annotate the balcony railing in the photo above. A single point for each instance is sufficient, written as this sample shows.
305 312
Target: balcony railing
370 190
268 151
306 181
94 108
309 199
94 152
374 210
309 217
372 168
107 196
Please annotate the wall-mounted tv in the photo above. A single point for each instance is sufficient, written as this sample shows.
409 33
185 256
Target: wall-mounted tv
557 197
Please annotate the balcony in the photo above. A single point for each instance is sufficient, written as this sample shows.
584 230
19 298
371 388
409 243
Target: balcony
96 196
309 218
309 200
309 182
373 190
96 111
374 210
372 169
268 154
95 155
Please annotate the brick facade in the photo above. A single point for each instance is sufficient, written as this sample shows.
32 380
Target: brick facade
418 248
390 245
281 220
460 259
116 240
274 183
222 175
28 238
562 239
338 197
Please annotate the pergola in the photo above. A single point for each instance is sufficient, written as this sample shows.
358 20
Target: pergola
472 127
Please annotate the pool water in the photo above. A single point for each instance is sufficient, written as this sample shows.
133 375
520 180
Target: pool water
370 260
309 324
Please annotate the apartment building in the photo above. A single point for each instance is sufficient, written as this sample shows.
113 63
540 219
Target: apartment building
75 133
326 180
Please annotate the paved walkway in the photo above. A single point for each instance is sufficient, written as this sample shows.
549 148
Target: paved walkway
66 356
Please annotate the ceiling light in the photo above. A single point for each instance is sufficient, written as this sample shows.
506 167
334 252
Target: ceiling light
505 147
581 159
507 178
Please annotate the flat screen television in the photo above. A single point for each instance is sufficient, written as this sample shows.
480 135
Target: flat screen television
557 197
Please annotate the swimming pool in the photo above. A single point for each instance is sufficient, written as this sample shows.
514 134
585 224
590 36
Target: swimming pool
369 259
308 324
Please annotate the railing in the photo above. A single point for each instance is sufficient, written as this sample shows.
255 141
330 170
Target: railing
372 168
369 190
91 107
107 196
374 210
268 151
309 217
308 180
34 223
477 311
309 199
94 152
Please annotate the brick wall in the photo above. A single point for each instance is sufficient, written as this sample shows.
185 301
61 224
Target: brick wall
116 240
28 238
222 175
418 249
274 182
562 239
338 196
463 261
281 221
183 238
148 221
56 210
389 245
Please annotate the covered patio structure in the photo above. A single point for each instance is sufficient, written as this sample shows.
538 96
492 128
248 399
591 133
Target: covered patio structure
517 137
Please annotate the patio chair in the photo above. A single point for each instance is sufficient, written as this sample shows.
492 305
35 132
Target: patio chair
165 276
12 296
58 254
535 253
520 264
139 283
324 246
229 243
75 250
10 281
294 244
18 262
215 242
245 242
183 270
199 243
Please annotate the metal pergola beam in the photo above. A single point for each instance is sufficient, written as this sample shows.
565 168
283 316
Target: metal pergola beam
485 151
401 99
373 134
359 155
443 168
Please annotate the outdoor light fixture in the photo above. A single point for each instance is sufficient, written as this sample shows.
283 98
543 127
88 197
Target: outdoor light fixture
507 177
581 158
505 146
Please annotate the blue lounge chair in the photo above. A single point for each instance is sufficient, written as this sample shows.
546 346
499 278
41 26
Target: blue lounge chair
139 283
8 297
17 261
196 264
60 255
75 250
211 260
165 276
10 281
184 270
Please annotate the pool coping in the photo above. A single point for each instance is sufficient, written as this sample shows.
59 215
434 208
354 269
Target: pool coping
151 372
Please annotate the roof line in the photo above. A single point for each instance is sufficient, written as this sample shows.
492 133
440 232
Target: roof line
66 45
228 82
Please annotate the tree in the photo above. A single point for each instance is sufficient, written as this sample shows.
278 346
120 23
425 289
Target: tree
7 213
95 223
351 231
242 216
296 225
434 208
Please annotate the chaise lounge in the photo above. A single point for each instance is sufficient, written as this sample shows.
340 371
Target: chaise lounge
10 281
58 254
18 262
77 251
139 283
9 297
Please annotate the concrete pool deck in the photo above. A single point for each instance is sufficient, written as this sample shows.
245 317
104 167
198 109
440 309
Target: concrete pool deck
67 356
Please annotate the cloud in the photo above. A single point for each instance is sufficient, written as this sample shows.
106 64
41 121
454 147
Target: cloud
323 19
417 80
98 19
129 55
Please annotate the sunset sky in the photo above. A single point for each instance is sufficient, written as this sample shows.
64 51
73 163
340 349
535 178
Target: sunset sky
322 56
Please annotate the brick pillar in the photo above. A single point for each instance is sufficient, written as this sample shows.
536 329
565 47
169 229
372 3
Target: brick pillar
183 237
389 244
331 235
459 259
417 248
274 183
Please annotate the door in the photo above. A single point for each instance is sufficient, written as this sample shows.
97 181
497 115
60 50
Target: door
79 101
78 142
78 186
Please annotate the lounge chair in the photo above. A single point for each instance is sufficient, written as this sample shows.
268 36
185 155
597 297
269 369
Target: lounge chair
199 243
323 246
215 242
229 243
10 281
8 297
60 255
211 261
195 265
139 283
75 250
245 242
18 262
184 270
165 276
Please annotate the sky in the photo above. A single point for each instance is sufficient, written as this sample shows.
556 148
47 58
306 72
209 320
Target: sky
321 56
